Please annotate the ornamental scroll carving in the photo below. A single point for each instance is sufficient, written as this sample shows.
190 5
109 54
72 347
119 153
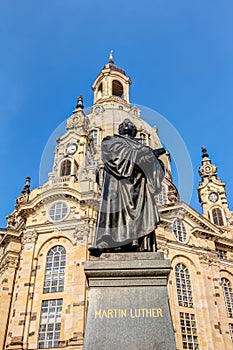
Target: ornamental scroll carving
14 221
78 121
172 195
209 258
81 234
22 198
163 247
28 239
93 203
8 262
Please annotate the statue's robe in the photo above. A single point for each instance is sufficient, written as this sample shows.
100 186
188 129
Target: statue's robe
133 177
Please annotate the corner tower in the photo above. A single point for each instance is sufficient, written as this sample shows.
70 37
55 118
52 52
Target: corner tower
212 193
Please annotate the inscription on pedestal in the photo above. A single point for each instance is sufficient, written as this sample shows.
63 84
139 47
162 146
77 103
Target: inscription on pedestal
128 306
130 313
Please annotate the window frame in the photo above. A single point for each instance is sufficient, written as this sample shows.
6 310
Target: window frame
188 326
117 86
144 138
62 218
47 335
222 254
179 230
161 198
97 136
184 289
54 276
212 217
227 298
66 160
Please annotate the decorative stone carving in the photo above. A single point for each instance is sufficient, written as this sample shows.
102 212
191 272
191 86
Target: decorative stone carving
172 195
93 203
14 220
174 214
81 233
209 258
180 214
28 239
135 111
98 109
8 262
78 121
83 175
163 247
24 196
208 170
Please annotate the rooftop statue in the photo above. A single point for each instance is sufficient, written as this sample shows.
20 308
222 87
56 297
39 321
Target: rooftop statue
128 214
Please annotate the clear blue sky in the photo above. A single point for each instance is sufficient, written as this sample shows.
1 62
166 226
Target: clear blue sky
179 55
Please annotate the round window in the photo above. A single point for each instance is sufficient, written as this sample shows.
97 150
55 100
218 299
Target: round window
58 211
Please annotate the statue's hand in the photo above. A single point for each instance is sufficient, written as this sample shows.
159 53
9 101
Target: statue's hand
159 152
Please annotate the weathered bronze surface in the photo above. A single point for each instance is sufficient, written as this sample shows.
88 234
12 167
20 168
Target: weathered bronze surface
133 176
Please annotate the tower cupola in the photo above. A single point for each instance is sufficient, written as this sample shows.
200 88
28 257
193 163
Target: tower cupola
212 193
112 82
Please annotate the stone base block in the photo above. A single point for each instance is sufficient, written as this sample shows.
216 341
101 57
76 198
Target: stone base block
128 303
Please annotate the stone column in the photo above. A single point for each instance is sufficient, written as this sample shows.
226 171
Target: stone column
18 327
8 268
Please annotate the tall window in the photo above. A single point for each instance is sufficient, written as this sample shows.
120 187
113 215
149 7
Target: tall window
161 198
50 324
55 270
222 254
117 88
217 217
94 134
143 138
188 331
231 330
183 286
100 91
228 296
179 230
65 168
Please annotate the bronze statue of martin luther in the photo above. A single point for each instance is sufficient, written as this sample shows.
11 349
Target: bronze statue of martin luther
128 214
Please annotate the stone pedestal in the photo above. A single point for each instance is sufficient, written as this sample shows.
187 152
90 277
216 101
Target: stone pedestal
128 303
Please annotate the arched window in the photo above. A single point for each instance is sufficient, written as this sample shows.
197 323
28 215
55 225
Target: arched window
65 168
161 198
183 286
228 296
55 270
217 217
179 230
94 134
100 91
143 138
231 330
117 88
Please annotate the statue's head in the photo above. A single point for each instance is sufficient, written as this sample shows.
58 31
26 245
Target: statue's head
127 128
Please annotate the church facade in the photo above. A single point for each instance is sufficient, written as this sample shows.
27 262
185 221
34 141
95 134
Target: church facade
43 289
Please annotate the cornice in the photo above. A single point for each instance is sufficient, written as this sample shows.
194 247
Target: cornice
10 235
48 195
194 216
